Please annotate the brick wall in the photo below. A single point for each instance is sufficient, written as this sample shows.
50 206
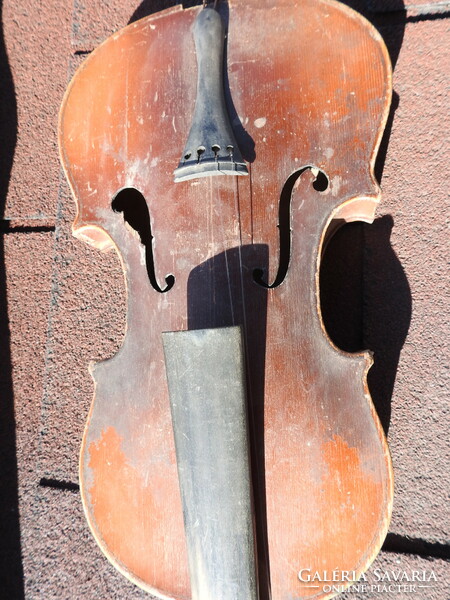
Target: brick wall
63 303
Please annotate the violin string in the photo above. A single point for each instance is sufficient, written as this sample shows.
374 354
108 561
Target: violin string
258 484
215 201
227 267
237 206
212 271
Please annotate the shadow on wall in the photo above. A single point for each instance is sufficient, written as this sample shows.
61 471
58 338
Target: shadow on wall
11 571
366 302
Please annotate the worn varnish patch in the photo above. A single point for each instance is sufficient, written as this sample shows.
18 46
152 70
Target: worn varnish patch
129 515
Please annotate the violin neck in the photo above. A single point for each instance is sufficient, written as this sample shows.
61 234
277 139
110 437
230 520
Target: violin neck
206 377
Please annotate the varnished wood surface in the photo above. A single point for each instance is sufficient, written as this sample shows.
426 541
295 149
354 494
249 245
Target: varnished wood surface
310 84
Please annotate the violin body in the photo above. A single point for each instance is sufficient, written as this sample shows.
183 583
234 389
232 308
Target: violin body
310 86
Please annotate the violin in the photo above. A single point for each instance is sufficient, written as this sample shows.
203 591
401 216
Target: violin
230 447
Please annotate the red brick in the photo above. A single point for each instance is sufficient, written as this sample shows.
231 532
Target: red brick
28 268
86 323
28 260
94 20
87 303
37 38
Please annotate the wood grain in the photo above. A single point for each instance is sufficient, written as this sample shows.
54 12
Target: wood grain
310 85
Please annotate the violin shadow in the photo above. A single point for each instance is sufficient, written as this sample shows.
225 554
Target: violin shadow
366 302
244 140
221 293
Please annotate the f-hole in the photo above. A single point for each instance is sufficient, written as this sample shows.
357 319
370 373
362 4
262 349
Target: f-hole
320 184
132 204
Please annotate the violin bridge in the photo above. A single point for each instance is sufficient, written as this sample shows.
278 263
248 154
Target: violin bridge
211 148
